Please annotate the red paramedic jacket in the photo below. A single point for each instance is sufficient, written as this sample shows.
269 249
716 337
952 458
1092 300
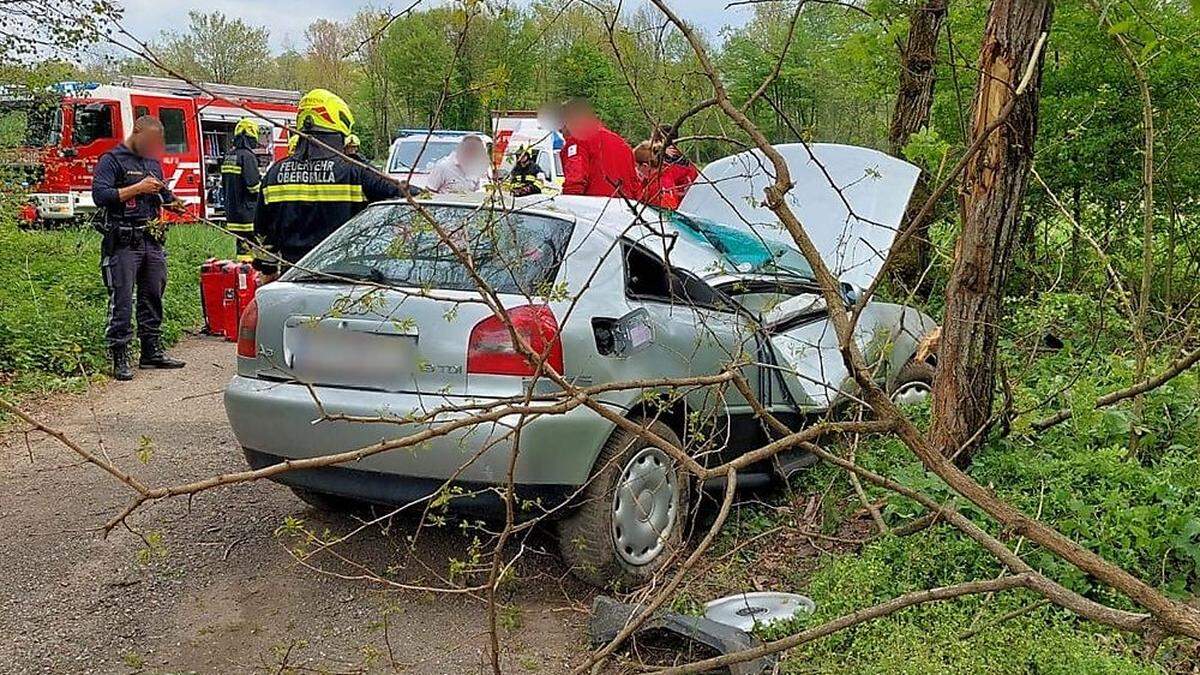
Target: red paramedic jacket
679 174
657 190
596 164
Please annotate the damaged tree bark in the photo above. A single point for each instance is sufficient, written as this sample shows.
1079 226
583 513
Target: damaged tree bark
993 189
914 102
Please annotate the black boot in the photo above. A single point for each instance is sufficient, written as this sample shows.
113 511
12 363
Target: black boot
120 361
154 356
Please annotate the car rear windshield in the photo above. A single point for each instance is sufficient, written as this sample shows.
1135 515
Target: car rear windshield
397 244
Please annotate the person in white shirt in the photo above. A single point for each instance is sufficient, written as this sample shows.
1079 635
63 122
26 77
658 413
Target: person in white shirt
464 170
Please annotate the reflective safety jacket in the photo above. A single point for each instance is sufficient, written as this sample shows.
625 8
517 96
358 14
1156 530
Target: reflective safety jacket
240 182
600 164
306 196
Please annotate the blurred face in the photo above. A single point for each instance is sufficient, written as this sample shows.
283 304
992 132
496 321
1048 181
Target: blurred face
471 152
580 122
148 142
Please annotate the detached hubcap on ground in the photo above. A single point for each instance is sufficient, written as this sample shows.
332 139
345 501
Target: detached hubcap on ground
911 392
645 505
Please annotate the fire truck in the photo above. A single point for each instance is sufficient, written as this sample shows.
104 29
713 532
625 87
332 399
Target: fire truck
66 137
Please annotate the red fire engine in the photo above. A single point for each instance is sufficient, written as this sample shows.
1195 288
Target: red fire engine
88 119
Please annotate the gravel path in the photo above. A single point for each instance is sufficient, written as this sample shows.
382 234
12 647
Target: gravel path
221 594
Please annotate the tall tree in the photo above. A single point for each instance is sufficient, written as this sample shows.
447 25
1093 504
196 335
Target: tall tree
216 48
914 101
1004 122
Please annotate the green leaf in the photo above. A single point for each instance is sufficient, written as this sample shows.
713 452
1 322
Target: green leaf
145 449
1121 27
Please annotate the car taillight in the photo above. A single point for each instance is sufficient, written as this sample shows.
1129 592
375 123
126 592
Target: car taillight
491 351
248 331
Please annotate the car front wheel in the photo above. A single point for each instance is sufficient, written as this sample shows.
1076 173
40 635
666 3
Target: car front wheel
631 519
913 384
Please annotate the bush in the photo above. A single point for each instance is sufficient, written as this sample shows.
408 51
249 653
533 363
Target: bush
53 303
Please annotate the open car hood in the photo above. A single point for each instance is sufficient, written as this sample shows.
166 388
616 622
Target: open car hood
850 201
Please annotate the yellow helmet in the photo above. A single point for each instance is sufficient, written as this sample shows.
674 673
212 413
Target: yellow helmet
246 126
352 139
325 110
292 141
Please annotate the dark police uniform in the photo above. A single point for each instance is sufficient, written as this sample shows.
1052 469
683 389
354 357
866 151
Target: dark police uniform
130 253
240 181
308 195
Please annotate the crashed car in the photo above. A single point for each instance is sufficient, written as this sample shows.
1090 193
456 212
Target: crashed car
380 334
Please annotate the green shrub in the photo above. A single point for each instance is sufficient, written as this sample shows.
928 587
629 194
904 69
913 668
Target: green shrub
53 303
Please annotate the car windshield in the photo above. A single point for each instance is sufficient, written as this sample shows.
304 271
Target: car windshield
397 244
747 252
416 154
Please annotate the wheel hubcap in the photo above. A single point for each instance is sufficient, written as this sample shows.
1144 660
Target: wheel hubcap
645 506
911 392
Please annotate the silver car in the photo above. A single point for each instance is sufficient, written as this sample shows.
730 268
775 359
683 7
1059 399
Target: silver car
399 343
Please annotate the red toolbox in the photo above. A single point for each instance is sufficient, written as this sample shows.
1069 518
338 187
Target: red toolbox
226 288
218 298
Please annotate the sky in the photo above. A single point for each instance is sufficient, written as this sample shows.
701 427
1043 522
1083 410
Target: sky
287 19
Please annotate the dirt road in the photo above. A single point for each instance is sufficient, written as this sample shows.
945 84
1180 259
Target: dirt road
220 593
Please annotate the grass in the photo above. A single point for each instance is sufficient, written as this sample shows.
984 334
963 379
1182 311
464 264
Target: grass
1140 513
53 302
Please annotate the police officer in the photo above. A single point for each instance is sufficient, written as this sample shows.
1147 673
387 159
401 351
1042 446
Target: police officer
128 188
240 180
308 195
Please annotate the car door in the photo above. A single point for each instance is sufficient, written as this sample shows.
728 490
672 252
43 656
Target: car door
181 133
695 331
94 128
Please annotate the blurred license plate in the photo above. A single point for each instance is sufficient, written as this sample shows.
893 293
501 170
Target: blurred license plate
332 353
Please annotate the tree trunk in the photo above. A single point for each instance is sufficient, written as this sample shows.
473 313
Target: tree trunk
914 100
1005 113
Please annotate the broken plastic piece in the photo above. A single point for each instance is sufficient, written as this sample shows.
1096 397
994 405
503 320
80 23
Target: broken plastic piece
610 616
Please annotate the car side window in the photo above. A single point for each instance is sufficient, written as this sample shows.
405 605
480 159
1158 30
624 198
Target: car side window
647 277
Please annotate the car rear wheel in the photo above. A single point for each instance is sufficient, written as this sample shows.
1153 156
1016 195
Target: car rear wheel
633 512
913 384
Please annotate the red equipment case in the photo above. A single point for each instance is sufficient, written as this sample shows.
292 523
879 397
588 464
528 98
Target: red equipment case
226 288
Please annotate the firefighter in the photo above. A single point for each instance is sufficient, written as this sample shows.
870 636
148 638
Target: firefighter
240 179
128 189
526 177
352 147
308 195
596 161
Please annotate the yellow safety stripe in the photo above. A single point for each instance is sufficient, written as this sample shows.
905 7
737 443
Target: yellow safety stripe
253 188
231 168
332 192
239 227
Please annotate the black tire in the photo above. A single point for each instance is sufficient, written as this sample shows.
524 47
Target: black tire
587 539
325 502
914 374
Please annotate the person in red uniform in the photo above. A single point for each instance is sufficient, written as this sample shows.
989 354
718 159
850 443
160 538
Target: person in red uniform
677 168
657 188
596 161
